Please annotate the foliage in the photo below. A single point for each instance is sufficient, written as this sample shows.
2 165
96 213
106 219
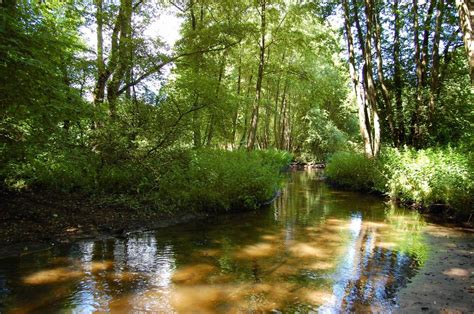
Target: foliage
222 180
323 137
200 180
352 170
430 176
426 177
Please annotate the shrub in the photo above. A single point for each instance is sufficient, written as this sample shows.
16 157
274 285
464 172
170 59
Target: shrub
59 170
353 170
199 180
426 177
431 176
223 180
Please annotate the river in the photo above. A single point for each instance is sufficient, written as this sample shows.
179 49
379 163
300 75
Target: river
315 248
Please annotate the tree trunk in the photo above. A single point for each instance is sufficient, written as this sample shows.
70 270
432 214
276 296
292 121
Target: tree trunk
212 121
258 94
371 114
123 63
466 18
246 114
236 112
358 89
398 76
426 37
102 75
435 72
281 125
374 16
415 120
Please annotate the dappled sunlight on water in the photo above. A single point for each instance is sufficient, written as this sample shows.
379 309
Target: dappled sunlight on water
315 249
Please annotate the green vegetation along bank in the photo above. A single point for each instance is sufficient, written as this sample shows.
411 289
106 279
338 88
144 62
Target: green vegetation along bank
51 194
436 178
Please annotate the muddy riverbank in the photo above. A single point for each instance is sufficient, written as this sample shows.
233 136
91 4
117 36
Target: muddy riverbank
33 221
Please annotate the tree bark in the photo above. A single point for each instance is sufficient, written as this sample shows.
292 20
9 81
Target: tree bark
237 106
466 18
415 127
258 94
374 16
123 63
102 75
210 135
398 76
435 72
371 114
358 89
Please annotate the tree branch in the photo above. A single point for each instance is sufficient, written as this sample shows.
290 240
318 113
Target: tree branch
159 66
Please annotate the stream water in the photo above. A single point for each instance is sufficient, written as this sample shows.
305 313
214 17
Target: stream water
315 249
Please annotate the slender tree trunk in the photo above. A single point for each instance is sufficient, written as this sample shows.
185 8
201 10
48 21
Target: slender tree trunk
398 76
277 101
435 72
236 111
466 18
256 106
283 131
425 43
219 82
415 120
102 75
288 125
358 90
123 63
281 125
275 113
196 121
374 16
246 114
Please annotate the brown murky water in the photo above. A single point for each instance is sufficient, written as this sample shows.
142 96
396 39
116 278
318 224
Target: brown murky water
314 249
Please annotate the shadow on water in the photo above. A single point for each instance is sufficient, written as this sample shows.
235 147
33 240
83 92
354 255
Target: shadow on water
315 248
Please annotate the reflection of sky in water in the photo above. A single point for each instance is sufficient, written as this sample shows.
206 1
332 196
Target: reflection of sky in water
346 270
92 294
137 257
363 272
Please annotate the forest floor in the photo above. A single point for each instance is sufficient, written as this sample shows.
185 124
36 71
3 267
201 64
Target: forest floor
445 284
34 221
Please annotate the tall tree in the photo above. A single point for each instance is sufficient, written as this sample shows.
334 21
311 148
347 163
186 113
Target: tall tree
466 17
258 89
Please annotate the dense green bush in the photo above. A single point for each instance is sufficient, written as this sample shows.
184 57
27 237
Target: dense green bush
353 170
222 180
431 176
175 180
426 177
